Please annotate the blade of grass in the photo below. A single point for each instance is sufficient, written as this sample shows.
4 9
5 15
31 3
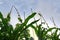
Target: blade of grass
43 19
19 17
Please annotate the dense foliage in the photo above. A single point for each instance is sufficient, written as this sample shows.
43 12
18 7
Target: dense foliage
21 31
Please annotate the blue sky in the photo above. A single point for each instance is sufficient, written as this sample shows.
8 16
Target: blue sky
48 8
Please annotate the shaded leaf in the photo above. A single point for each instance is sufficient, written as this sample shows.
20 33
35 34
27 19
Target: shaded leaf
20 20
1 16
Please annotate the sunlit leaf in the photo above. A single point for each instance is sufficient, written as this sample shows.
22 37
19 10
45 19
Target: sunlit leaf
29 17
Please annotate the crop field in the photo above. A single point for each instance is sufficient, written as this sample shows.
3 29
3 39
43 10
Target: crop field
22 31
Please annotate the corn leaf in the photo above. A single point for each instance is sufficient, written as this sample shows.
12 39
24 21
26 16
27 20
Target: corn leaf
20 20
29 17
1 16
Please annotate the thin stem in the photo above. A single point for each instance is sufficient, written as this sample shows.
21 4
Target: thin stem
11 10
53 21
43 19
24 15
17 12
31 10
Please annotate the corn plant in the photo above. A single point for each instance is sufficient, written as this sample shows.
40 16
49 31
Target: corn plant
6 28
8 33
21 31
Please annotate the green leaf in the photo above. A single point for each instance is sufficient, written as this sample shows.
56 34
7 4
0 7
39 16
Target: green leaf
50 29
20 20
8 17
35 29
29 17
29 25
26 28
1 16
